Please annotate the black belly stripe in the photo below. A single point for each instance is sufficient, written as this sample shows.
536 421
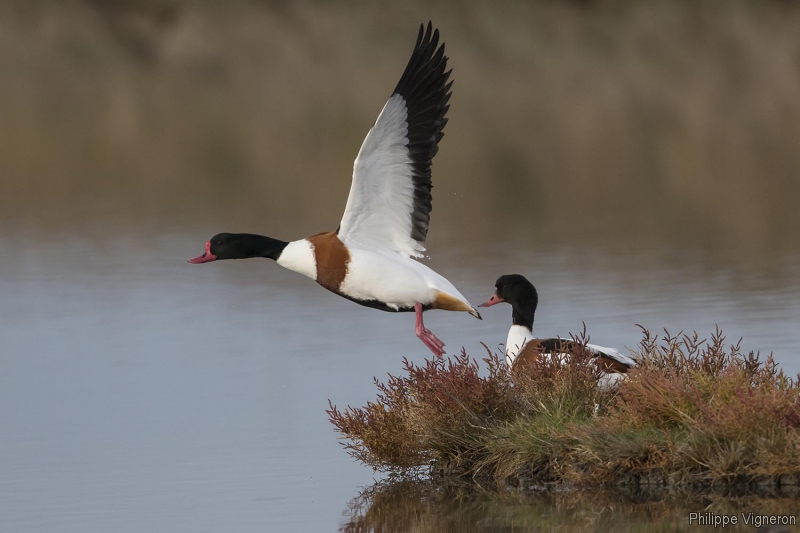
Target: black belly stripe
377 304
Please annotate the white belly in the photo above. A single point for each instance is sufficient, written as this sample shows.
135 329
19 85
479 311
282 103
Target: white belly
393 279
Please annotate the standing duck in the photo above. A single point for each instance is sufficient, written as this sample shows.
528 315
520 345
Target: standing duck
370 258
522 348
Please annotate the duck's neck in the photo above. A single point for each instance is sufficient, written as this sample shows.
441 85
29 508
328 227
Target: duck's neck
261 246
523 317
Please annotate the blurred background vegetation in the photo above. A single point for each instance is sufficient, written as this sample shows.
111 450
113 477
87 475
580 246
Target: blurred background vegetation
577 121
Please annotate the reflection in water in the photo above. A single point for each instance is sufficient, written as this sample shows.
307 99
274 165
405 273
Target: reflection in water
406 506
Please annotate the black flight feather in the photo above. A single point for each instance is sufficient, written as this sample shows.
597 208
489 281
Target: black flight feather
425 89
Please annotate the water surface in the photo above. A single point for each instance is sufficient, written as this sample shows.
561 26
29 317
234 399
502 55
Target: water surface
141 393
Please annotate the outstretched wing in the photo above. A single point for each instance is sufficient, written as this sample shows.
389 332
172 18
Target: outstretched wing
390 199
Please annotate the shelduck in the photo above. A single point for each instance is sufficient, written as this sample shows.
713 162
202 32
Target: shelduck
522 348
370 258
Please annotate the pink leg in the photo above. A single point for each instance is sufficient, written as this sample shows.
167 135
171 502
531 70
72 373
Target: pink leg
425 335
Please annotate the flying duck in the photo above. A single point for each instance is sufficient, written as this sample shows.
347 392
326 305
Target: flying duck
370 258
522 348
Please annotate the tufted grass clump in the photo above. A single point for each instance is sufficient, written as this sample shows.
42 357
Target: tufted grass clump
694 412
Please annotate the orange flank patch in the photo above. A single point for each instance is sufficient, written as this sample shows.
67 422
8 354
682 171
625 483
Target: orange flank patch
526 358
449 303
332 259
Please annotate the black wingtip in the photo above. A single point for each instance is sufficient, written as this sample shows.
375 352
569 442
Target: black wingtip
425 87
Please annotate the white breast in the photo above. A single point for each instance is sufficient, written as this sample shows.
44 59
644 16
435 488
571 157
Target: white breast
299 257
518 336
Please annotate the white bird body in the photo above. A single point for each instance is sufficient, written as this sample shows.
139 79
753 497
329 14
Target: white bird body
379 276
395 279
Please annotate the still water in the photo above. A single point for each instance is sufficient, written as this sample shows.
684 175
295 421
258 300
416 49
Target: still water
141 393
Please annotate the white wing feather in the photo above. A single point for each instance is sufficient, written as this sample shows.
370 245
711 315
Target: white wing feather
390 199
381 202
613 353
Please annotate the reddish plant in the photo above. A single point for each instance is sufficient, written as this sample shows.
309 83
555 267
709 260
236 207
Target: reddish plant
693 411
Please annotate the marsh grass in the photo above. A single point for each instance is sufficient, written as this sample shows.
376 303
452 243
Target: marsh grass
694 413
